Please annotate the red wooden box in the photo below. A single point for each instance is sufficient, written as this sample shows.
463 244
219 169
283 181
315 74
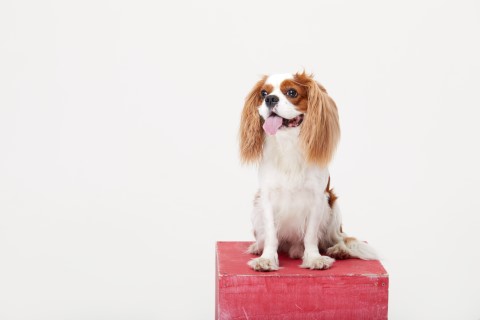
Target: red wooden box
351 289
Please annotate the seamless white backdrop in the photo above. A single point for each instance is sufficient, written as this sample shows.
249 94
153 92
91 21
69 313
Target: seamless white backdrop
118 147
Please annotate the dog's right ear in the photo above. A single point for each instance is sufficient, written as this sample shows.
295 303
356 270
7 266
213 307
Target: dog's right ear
251 132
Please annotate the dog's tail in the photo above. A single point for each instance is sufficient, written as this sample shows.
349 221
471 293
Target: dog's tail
350 247
360 249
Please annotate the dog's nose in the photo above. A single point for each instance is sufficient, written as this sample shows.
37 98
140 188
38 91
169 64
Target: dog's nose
271 100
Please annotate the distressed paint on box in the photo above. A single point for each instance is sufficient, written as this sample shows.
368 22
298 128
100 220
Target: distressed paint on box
351 289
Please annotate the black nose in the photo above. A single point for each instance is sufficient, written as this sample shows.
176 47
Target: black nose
271 100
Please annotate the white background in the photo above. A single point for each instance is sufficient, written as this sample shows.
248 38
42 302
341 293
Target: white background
119 160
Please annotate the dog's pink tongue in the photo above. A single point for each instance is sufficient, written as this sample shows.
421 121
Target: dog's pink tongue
272 124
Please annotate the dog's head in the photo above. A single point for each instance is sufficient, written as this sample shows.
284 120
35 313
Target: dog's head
285 101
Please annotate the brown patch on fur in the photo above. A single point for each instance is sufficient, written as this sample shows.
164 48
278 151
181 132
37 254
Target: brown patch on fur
266 87
332 197
320 130
347 240
340 250
301 100
251 132
338 253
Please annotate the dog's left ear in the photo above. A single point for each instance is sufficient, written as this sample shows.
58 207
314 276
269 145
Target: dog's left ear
320 131
251 132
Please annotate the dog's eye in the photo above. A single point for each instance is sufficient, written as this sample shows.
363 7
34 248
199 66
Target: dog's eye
264 93
292 93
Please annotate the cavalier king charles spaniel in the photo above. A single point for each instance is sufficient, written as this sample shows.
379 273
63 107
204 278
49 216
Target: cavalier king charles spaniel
290 127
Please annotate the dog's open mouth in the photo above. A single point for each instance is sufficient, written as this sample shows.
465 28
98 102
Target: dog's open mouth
275 122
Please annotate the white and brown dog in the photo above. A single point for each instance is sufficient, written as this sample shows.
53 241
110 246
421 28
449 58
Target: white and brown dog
290 127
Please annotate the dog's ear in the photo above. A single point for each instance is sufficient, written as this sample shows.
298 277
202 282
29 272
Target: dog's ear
251 132
320 130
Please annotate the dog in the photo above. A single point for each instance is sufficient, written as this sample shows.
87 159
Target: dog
290 128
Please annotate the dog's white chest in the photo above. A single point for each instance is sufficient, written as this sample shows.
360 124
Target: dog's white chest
291 185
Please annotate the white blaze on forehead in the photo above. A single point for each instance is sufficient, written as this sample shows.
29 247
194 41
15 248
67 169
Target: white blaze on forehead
276 79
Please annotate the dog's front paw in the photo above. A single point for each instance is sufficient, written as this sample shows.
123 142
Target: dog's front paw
263 264
318 263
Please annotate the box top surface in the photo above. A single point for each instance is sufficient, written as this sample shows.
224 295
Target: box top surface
232 259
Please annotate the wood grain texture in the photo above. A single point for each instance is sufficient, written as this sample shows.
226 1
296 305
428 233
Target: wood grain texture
351 289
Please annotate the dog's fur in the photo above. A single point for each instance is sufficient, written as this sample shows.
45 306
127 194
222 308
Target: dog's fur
295 210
